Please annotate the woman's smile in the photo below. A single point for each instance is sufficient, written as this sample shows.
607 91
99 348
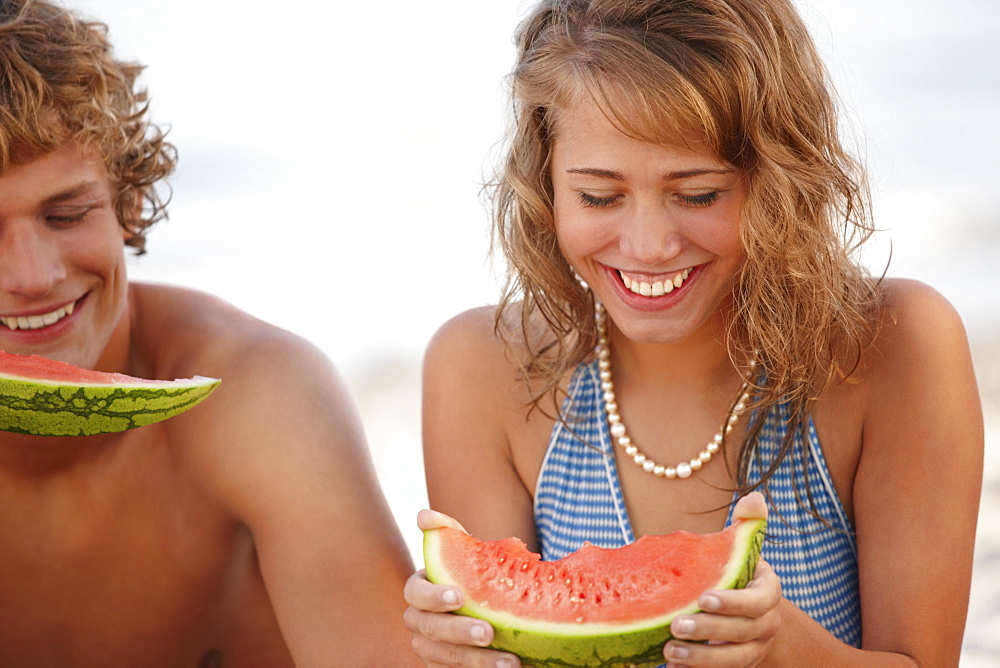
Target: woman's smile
653 229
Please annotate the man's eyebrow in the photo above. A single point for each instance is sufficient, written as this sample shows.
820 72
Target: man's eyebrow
71 192
671 176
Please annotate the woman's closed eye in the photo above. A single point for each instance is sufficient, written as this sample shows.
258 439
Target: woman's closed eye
597 202
705 199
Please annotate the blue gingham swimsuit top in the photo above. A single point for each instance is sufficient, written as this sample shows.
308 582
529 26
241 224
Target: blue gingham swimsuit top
579 498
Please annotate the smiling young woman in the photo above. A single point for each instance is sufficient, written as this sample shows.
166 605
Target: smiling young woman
684 323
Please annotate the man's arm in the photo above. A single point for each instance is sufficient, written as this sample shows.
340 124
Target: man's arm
290 459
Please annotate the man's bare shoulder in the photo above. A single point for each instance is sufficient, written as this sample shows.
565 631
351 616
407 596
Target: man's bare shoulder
178 330
274 384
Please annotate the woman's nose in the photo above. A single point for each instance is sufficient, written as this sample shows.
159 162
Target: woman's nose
650 236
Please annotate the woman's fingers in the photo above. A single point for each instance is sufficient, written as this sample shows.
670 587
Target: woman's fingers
422 594
444 628
751 507
739 625
431 519
735 655
759 597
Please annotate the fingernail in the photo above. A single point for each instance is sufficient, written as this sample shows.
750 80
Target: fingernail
678 652
684 626
710 603
505 662
478 633
450 597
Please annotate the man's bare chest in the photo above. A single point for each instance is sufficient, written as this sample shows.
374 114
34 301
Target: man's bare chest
120 563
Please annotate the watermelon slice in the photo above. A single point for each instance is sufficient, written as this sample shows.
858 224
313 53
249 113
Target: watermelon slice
46 397
595 607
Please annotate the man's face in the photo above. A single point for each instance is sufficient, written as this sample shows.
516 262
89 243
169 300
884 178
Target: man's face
63 286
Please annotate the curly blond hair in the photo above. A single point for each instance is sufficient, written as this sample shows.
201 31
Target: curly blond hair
59 82
741 79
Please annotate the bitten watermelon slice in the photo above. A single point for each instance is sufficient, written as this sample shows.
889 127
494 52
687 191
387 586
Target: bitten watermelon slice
595 607
46 397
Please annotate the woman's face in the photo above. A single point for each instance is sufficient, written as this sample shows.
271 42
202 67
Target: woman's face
653 229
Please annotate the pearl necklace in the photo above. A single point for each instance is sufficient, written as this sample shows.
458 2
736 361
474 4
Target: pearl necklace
617 427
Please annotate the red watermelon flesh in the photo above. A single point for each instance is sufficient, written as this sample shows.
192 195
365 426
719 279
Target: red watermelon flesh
581 587
36 368
595 607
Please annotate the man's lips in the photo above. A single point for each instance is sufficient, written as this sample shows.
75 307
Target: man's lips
26 322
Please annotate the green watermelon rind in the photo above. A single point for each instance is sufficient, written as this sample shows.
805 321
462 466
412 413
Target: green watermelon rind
560 645
57 408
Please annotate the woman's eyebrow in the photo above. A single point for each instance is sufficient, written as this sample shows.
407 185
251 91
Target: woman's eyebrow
601 173
671 176
688 173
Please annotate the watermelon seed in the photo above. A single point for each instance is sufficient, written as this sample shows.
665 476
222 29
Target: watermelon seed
579 620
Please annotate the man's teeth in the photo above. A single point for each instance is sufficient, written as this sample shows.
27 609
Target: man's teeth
656 288
16 322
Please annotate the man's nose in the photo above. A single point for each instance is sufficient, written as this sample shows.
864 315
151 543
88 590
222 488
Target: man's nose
30 265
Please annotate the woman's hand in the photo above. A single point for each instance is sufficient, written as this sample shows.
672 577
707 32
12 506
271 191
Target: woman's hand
740 625
439 638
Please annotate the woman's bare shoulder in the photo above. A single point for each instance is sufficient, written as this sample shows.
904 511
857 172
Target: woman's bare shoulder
481 340
921 335
917 318
488 357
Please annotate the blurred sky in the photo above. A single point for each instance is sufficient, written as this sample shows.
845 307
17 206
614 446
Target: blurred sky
332 153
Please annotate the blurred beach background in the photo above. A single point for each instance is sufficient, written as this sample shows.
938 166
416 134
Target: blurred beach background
332 154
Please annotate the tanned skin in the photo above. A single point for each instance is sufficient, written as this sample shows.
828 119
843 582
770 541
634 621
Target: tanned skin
248 531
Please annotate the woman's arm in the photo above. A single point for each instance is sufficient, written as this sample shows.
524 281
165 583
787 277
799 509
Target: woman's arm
470 394
916 493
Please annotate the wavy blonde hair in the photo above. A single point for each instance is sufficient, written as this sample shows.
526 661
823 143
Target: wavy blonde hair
739 78
59 82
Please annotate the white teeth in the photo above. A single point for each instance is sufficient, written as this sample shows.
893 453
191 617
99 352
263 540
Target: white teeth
37 321
656 288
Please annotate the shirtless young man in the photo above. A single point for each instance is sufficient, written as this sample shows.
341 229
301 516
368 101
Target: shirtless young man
249 531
